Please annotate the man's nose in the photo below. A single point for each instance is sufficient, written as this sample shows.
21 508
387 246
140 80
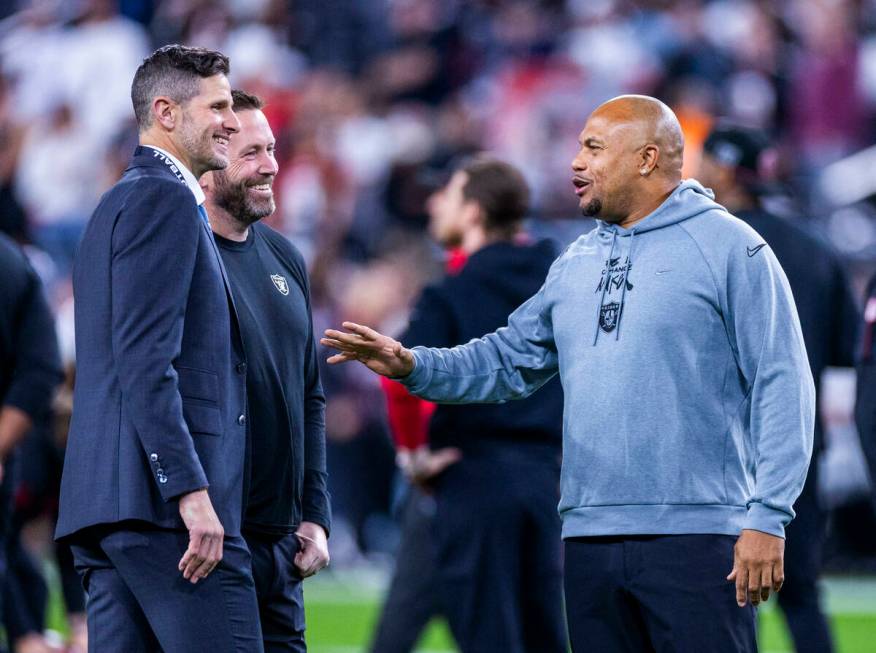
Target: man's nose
231 122
269 165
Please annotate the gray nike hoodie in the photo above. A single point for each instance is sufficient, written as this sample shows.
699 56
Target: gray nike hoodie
689 403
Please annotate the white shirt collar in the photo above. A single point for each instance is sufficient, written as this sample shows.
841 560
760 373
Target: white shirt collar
191 182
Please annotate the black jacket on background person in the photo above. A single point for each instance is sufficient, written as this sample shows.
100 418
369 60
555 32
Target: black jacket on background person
287 479
495 533
493 283
865 405
827 309
30 365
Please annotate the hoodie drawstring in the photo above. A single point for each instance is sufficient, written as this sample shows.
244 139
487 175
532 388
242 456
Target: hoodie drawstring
629 266
605 285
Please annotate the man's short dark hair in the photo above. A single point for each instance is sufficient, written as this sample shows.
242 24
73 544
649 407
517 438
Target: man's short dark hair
500 190
174 71
244 101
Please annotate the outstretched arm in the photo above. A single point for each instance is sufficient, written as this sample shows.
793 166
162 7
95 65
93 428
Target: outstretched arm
511 363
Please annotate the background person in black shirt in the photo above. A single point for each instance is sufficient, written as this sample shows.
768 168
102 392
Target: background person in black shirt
735 165
287 516
30 370
865 402
494 469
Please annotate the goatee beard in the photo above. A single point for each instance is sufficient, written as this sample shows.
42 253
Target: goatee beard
593 208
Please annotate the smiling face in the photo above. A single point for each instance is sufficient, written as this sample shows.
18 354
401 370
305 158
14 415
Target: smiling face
207 124
245 188
605 168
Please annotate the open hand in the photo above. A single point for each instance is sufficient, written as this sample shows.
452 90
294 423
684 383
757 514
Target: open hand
422 465
758 566
313 554
206 536
379 353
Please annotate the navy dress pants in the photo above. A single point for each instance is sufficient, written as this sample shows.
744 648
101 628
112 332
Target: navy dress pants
498 550
655 594
279 591
139 602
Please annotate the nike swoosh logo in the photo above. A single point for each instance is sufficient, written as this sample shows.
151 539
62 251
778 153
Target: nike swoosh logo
754 250
663 271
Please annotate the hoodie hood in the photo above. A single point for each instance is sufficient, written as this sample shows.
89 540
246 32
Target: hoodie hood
512 270
688 200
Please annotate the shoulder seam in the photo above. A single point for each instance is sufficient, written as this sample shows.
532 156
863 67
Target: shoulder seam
706 261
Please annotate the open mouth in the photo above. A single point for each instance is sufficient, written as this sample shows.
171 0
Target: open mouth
221 141
581 185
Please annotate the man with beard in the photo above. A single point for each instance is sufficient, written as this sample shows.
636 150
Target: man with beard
287 516
684 371
151 494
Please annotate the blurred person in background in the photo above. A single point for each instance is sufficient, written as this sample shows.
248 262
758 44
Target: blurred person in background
738 164
152 489
659 497
56 149
865 404
288 515
30 370
489 557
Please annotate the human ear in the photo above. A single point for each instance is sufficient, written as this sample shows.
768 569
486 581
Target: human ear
164 111
648 157
473 215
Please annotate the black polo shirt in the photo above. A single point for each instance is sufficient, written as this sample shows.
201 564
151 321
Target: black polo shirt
286 405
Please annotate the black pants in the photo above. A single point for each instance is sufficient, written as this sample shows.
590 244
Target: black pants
498 553
25 593
799 598
139 602
279 591
655 594
413 597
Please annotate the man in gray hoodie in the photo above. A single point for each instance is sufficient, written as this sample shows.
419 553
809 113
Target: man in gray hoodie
689 403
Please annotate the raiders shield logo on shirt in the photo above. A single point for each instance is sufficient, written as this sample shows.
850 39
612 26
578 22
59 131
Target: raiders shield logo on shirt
280 283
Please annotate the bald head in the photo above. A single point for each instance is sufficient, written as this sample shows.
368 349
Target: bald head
647 121
630 158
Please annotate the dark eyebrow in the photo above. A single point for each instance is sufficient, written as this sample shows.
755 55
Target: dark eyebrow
592 142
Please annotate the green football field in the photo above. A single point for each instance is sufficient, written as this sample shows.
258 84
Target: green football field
342 609
343 606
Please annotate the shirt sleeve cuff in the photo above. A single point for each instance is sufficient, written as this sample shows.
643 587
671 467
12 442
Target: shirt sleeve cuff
420 377
766 520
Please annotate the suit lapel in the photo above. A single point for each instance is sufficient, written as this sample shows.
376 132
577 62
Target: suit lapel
145 156
225 281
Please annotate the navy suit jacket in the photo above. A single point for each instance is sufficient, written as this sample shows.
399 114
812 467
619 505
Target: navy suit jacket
160 396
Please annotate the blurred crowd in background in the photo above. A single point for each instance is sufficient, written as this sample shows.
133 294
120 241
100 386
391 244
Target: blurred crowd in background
372 102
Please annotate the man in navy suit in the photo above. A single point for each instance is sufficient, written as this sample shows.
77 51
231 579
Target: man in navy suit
151 496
